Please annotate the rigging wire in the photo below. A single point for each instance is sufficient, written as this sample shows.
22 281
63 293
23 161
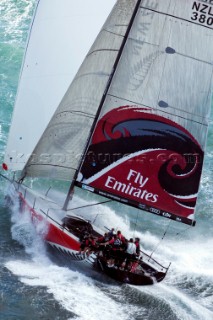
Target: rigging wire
177 234
185 230
89 205
161 239
136 222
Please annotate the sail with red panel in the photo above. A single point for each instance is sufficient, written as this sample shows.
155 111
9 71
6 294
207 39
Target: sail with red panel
148 143
132 125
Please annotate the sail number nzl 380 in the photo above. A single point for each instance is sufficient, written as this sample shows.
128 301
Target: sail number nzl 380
202 12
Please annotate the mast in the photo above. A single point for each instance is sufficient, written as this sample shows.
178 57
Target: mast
147 147
71 189
132 125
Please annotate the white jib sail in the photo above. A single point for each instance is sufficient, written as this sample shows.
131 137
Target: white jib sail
59 151
61 34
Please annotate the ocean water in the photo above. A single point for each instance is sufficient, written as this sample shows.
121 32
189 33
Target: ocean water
33 287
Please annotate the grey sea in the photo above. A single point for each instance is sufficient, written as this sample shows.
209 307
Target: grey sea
33 287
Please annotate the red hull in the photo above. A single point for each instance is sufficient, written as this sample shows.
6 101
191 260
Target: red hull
55 233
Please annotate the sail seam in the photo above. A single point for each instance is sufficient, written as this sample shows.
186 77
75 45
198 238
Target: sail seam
99 50
176 52
190 57
115 33
179 18
93 74
49 164
137 103
80 113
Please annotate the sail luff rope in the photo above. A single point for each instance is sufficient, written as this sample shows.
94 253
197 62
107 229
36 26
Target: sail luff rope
71 189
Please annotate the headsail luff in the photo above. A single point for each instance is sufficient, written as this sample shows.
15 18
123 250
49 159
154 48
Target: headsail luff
147 147
60 148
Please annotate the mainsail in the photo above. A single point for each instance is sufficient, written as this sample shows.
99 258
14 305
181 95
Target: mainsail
148 79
